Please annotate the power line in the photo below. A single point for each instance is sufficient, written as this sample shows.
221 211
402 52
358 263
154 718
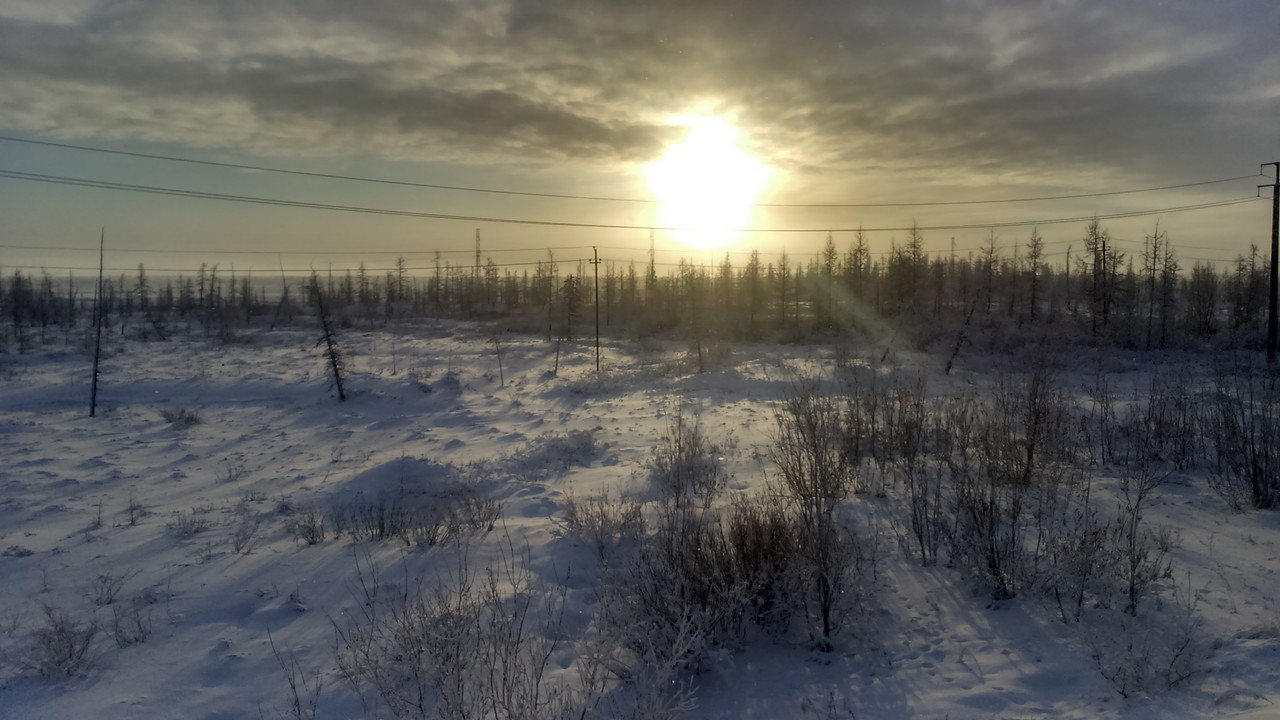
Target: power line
328 176
1077 196
596 198
286 252
359 253
271 270
177 192
674 251
423 268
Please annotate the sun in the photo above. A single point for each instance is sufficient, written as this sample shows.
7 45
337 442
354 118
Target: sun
706 185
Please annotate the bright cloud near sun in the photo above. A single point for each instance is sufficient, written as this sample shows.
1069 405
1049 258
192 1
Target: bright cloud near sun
706 185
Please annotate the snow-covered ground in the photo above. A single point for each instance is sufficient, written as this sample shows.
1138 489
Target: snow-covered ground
128 518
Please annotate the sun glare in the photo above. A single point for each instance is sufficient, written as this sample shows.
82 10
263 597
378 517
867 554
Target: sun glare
706 185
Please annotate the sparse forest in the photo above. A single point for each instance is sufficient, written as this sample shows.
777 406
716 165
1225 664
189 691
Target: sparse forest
1092 293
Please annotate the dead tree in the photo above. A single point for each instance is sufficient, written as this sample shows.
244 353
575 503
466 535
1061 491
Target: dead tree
328 339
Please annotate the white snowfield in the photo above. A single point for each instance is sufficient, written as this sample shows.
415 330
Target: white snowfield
177 521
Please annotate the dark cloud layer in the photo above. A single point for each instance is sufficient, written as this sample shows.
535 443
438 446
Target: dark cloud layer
991 87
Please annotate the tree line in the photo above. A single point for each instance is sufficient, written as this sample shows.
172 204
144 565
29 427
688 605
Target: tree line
1098 294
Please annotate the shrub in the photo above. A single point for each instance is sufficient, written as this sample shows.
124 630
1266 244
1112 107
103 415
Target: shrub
306 525
924 480
807 452
304 688
815 478
1163 423
473 513
103 589
764 544
181 417
419 520
131 623
390 516
1141 551
1243 423
135 510
1160 651
1009 461
190 524
554 453
685 467
475 645
1079 556
679 597
61 644
244 534
603 523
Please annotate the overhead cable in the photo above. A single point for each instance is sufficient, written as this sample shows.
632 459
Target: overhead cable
177 192
597 198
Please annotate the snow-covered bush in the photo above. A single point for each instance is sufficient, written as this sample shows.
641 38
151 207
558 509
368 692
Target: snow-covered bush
180 417
1243 425
1158 651
131 622
244 531
1006 475
762 539
679 597
603 523
552 454
477 645
472 513
306 524
60 645
134 510
705 574
414 519
1162 424
925 478
102 590
1141 550
815 477
189 524
1079 555
680 594
703 356
686 468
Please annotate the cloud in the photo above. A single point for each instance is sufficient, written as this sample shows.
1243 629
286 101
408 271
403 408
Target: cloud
997 87
147 78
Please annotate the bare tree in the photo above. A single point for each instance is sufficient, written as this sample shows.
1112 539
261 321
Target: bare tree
329 338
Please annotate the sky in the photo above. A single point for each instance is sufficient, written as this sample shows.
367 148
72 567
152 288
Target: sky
877 106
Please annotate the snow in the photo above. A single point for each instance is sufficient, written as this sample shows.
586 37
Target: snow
428 411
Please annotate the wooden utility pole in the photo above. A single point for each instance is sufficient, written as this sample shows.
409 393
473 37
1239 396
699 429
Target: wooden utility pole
1272 327
595 260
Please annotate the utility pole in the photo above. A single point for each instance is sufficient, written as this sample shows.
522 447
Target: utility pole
1272 328
595 260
